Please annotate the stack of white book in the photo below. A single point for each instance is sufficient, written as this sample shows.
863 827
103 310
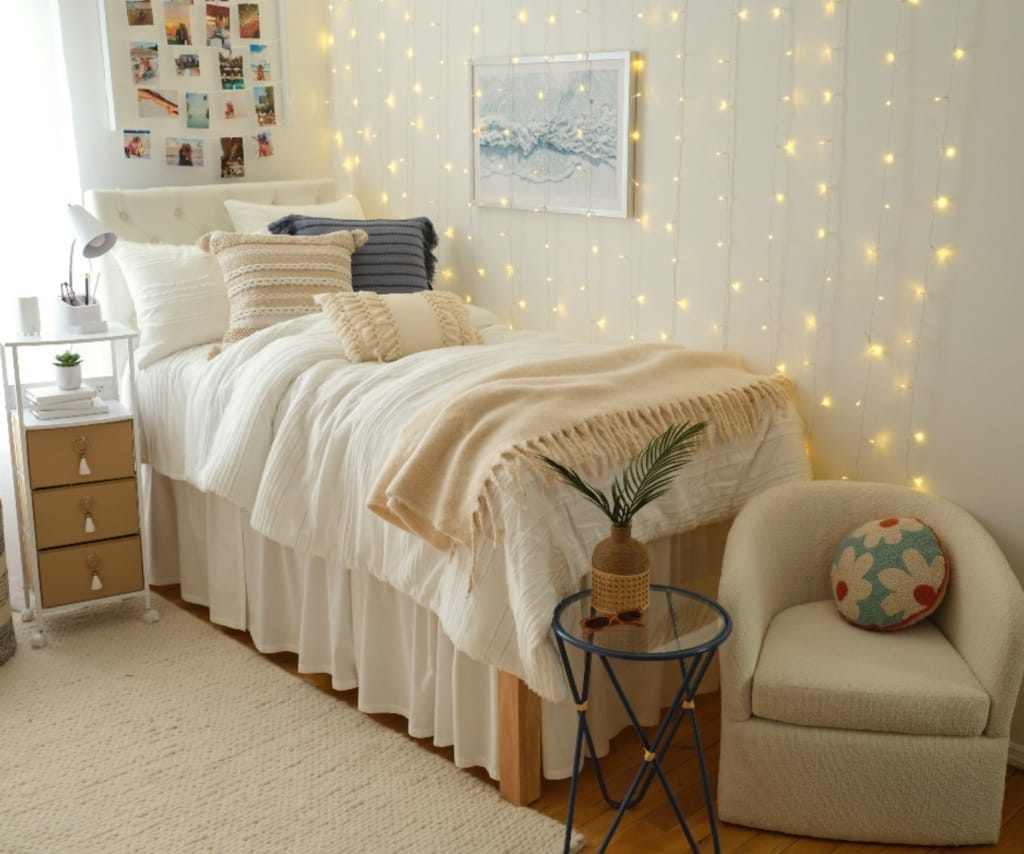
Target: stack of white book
53 402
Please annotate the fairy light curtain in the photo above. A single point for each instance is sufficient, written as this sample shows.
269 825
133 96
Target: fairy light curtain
796 181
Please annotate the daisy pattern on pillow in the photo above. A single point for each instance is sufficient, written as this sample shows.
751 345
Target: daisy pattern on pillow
886 530
917 589
849 586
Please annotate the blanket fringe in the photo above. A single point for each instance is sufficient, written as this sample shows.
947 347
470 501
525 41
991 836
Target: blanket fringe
596 444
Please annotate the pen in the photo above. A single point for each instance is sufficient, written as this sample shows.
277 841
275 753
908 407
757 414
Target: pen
86 288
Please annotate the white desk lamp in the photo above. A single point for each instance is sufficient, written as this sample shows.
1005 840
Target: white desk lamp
93 240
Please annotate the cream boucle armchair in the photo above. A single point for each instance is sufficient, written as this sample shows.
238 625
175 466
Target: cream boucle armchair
832 731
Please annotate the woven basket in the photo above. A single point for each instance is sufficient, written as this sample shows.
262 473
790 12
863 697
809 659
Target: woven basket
620 577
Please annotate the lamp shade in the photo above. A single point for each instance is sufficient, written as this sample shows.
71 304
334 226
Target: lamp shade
89 233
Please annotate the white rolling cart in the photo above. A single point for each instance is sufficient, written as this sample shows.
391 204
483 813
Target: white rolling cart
75 488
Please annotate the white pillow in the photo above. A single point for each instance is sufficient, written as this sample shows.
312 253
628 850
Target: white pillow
252 218
179 295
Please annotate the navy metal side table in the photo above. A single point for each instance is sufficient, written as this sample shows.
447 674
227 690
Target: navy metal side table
678 626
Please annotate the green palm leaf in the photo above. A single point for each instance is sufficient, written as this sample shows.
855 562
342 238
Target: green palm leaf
650 475
594 496
646 478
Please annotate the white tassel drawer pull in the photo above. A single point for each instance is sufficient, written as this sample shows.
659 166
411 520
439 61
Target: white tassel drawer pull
94 564
81 445
86 505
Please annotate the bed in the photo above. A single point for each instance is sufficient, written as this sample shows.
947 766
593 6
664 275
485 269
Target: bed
260 463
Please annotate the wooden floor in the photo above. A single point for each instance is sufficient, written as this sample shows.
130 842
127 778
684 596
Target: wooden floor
652 826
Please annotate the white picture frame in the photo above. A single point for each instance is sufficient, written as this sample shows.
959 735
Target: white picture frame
555 133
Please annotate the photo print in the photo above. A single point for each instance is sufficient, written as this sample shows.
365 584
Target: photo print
137 145
264 145
187 64
197 110
218 26
249 20
263 101
232 157
231 71
178 23
140 12
259 62
180 151
157 103
145 62
234 105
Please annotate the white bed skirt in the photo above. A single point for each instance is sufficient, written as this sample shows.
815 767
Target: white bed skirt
369 636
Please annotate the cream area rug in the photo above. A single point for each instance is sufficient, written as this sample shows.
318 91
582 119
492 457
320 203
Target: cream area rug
120 736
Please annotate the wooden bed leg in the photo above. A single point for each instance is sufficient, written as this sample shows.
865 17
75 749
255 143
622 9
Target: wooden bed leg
519 740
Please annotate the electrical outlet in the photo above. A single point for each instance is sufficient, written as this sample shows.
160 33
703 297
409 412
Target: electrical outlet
104 386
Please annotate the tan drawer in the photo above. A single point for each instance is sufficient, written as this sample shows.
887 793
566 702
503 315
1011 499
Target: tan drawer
60 512
54 455
65 575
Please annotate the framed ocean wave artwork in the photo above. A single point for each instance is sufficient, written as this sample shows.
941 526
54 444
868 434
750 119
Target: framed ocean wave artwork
555 133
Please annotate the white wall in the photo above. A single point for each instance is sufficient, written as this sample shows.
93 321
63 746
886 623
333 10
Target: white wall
303 144
950 353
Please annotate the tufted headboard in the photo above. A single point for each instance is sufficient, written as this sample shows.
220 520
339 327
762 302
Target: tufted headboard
182 215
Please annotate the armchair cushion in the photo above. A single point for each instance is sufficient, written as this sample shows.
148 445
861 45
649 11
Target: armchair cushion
816 670
889 573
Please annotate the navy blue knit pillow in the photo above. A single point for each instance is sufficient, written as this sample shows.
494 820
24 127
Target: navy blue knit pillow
397 259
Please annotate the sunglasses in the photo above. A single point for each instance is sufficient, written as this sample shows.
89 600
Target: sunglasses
602 621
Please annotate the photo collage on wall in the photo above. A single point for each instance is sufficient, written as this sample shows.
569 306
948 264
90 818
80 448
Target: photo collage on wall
205 78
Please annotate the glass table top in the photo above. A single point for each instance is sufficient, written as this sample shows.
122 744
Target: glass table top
678 623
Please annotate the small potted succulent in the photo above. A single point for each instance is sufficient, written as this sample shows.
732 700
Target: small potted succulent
620 567
68 371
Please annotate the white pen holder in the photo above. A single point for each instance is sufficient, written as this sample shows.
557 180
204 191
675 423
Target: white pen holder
79 319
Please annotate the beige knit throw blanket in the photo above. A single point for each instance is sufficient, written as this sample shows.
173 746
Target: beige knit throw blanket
589 412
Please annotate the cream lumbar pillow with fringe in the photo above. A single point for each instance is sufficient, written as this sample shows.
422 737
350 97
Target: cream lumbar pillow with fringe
272 277
375 327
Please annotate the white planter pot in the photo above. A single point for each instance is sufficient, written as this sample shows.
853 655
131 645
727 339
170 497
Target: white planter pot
68 377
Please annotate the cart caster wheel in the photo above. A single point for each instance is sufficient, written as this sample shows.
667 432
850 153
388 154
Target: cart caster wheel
27 615
151 615
38 640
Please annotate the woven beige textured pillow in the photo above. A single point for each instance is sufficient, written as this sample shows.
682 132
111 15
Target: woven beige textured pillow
385 328
274 277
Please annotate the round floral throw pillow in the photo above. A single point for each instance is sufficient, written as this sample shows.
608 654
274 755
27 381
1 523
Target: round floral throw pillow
889 573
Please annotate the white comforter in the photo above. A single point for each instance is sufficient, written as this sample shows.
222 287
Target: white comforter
282 425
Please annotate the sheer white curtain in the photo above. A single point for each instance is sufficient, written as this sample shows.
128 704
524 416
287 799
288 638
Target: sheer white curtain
39 167
38 178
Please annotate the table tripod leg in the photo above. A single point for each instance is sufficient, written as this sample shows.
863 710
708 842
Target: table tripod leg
704 779
580 697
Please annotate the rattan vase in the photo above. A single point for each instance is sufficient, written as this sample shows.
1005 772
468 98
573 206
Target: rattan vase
620 573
